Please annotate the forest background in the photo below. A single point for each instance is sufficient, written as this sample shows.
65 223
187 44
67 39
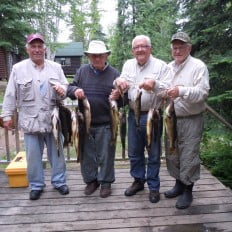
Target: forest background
208 22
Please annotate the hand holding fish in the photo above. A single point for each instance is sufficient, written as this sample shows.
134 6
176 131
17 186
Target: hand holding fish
173 92
79 94
148 84
59 90
115 94
122 84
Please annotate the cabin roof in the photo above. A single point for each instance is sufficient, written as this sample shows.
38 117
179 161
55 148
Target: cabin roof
69 49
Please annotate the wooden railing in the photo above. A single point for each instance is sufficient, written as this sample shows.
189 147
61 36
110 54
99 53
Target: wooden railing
10 150
18 146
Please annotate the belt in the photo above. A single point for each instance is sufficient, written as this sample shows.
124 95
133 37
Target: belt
189 116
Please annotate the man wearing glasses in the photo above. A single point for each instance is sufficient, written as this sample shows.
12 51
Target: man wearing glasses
147 74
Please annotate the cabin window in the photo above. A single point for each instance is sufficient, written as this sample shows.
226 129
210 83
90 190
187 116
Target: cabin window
64 61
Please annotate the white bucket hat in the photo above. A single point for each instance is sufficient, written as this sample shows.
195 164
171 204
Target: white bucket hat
97 47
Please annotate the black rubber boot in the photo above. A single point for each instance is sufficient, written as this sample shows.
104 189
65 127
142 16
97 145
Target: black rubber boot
177 190
185 200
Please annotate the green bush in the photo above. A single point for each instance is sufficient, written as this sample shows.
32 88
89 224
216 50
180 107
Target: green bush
216 154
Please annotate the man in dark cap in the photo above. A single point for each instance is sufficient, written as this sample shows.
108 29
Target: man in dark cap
34 88
190 81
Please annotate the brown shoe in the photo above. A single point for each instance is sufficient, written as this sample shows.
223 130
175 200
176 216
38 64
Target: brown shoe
91 187
136 186
154 196
105 191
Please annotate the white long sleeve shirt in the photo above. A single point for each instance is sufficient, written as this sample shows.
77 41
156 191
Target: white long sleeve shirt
192 78
135 74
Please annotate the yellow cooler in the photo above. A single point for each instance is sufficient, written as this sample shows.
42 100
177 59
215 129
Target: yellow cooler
17 171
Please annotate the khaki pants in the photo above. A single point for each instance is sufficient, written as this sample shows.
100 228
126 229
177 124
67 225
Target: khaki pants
184 164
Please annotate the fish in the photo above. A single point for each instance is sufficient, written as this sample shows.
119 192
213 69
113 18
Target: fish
56 126
87 114
114 120
152 126
137 107
170 126
66 124
75 131
149 127
123 129
81 134
156 127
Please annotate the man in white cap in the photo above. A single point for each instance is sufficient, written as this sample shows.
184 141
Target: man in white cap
35 86
190 81
95 81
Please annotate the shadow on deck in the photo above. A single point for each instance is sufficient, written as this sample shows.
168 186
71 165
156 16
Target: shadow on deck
211 209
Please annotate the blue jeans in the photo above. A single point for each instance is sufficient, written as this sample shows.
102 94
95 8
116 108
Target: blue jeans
34 145
137 141
97 159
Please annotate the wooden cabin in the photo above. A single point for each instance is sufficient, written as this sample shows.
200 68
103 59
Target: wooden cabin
7 60
69 55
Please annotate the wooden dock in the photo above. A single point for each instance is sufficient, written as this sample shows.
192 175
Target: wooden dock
211 210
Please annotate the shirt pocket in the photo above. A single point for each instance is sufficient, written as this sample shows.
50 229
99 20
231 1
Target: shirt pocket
26 90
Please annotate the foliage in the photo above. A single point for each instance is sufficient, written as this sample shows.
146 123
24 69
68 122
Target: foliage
85 21
216 153
16 22
155 18
209 23
14 25
49 13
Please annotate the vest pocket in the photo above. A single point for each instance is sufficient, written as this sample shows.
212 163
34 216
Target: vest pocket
26 92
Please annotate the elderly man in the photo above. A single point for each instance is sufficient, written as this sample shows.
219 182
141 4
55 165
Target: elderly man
35 86
148 74
190 81
95 81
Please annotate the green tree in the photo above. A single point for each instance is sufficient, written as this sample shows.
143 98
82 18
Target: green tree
85 21
14 24
155 18
209 23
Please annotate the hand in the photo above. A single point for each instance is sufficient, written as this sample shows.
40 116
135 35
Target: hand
115 94
121 84
148 85
59 90
9 125
79 94
173 92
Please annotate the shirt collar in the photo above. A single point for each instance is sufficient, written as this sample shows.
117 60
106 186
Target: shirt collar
99 71
180 66
145 65
36 66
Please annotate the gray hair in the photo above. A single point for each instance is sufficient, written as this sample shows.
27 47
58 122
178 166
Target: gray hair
141 37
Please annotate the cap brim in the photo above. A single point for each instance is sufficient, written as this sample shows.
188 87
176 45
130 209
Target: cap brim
35 39
97 53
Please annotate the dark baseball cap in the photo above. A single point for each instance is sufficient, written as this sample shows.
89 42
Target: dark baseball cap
182 36
32 37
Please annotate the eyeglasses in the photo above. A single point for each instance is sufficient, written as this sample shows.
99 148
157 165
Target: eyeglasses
143 47
180 48
97 55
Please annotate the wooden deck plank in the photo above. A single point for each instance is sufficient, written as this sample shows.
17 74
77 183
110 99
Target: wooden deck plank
211 209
